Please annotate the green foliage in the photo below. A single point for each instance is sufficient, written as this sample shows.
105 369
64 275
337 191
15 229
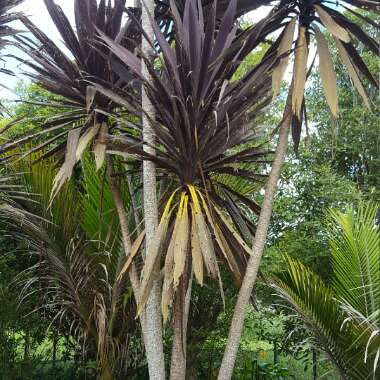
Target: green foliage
252 370
31 110
306 190
325 174
74 272
343 317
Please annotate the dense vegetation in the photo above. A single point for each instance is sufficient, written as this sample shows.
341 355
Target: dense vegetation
78 266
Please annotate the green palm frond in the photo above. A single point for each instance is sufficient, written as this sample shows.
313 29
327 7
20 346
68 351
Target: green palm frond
76 276
355 248
318 308
99 219
344 318
37 180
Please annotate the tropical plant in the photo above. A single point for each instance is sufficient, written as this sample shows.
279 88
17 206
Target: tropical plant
200 132
189 47
81 114
204 137
78 255
343 316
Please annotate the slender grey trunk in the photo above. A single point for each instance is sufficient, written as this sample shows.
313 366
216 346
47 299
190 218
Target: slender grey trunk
152 315
236 328
148 336
180 317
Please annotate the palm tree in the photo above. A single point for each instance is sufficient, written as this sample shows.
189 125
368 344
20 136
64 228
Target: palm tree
78 257
203 137
91 109
178 148
344 317
83 116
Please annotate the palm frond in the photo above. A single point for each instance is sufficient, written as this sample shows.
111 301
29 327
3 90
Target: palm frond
355 248
319 309
74 275
344 317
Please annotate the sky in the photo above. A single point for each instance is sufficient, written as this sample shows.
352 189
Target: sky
36 10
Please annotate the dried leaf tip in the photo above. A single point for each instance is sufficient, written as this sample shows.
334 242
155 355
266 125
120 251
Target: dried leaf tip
283 52
331 25
328 76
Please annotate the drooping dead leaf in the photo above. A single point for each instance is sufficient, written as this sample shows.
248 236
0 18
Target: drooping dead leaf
85 139
327 71
353 73
204 236
134 250
284 48
100 146
153 255
181 241
196 251
167 286
90 96
335 29
66 170
300 71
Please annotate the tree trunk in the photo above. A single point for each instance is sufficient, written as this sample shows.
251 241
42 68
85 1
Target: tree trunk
181 311
26 346
236 328
275 352
55 344
152 315
315 374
